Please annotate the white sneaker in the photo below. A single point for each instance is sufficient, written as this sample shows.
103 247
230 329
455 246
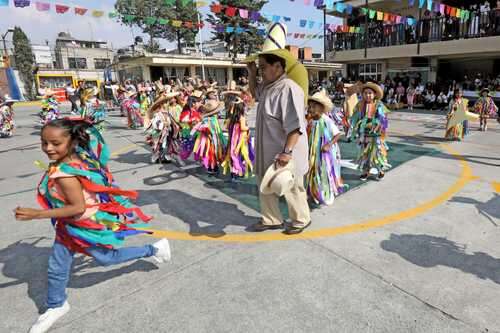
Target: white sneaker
163 254
47 319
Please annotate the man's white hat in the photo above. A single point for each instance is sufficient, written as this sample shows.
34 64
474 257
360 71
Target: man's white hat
278 180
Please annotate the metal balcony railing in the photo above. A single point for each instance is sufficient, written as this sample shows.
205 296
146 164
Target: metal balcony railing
426 30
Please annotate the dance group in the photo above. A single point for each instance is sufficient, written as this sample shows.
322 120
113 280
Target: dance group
185 121
458 116
93 216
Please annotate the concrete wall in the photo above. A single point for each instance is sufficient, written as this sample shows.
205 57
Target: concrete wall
90 54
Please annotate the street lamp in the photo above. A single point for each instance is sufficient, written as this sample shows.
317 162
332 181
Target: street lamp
5 53
201 47
77 65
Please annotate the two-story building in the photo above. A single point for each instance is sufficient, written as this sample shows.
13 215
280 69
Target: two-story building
82 55
436 44
76 59
213 63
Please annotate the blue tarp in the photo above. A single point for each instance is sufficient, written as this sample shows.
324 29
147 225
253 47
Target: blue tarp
14 90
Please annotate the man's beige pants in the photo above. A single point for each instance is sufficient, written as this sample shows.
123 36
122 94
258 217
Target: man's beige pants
296 199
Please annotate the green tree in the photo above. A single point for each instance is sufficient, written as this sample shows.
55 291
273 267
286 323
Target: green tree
154 17
153 47
23 56
238 42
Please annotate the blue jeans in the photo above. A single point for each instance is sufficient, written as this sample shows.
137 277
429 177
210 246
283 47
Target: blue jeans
60 266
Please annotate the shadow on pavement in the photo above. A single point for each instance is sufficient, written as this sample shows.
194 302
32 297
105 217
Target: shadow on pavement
205 217
489 209
26 263
132 157
418 140
429 251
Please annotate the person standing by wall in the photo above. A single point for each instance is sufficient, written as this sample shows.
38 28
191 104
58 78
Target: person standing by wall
71 96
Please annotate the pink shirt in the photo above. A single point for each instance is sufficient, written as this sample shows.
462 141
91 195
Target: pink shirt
90 198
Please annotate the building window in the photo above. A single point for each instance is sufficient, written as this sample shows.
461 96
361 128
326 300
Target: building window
101 63
366 72
77 63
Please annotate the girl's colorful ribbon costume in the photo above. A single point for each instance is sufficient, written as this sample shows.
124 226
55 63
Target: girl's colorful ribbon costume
485 107
323 180
369 125
240 153
209 142
95 112
133 111
340 118
188 119
163 136
454 132
7 124
50 110
114 218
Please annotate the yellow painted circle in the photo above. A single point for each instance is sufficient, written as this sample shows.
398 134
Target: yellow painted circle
464 178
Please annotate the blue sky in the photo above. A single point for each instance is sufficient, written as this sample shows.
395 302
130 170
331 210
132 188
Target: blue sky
41 26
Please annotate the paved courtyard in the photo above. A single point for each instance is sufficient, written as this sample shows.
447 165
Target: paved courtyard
416 252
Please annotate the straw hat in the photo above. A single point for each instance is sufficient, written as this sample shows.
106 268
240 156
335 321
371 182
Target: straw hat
158 103
483 90
197 94
379 93
171 94
211 90
8 100
231 89
278 180
89 93
211 106
275 44
322 98
130 93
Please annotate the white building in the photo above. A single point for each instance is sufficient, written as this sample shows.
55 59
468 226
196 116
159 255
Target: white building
43 56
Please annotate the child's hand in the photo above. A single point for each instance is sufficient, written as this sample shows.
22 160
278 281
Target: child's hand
326 148
26 214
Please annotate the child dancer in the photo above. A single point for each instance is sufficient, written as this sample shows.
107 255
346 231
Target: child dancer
90 214
93 109
240 152
369 124
410 97
323 181
485 107
144 105
50 108
190 116
209 141
163 131
133 109
455 131
7 124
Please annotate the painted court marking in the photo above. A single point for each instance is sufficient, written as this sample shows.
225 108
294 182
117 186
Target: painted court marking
464 178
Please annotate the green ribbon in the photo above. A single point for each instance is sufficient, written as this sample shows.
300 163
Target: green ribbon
128 18
150 20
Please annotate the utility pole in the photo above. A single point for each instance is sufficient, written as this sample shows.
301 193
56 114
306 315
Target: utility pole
366 29
419 26
324 33
5 52
200 34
